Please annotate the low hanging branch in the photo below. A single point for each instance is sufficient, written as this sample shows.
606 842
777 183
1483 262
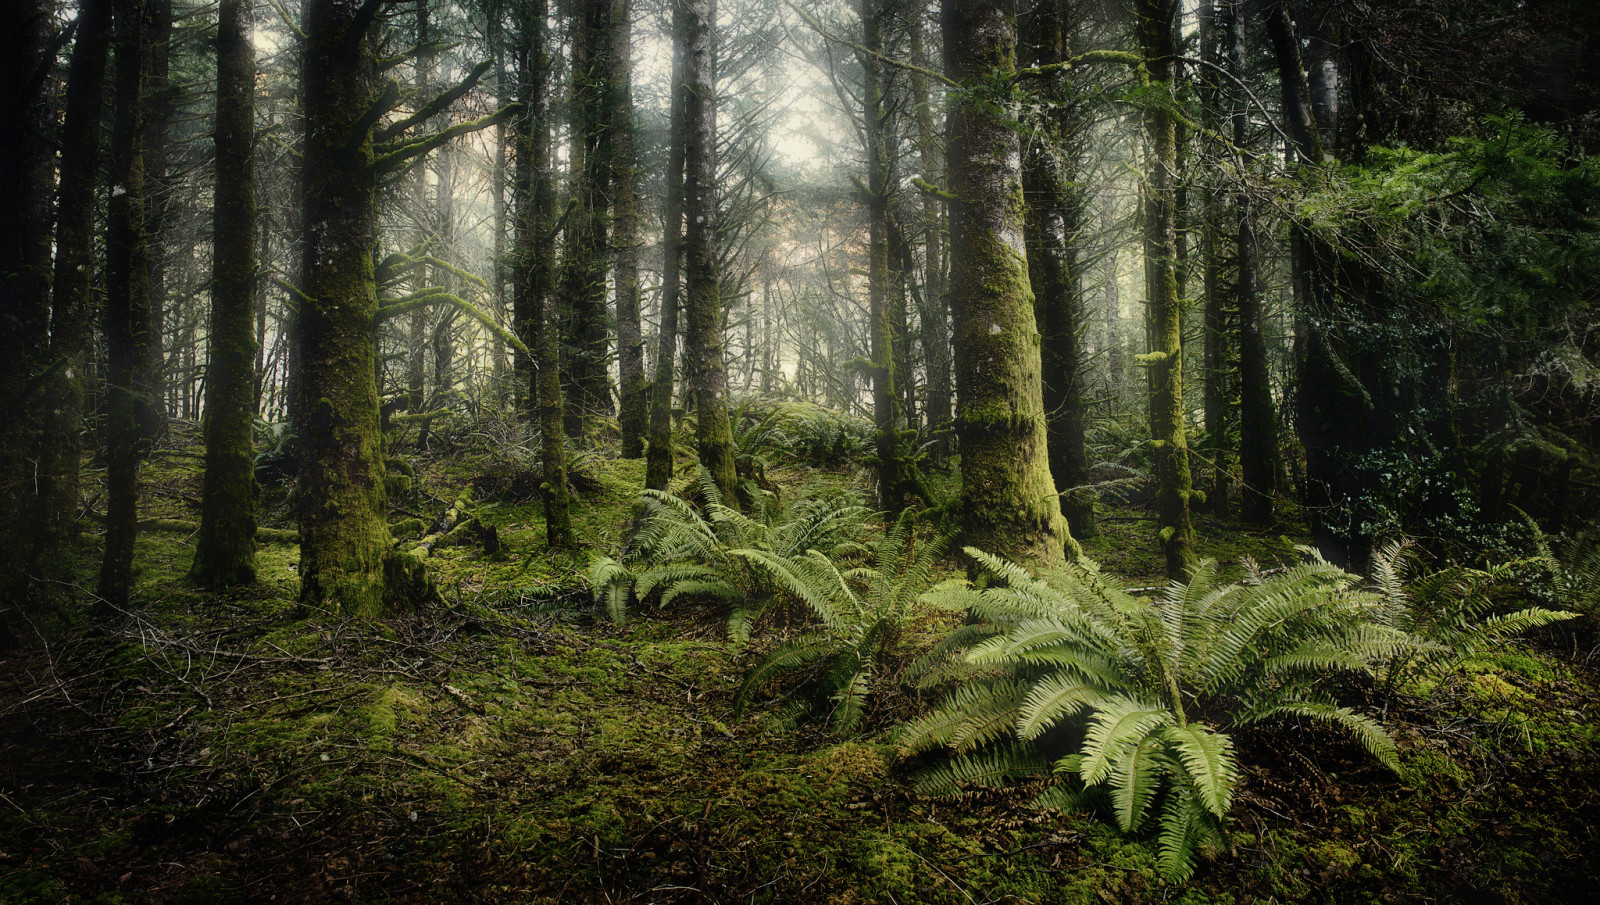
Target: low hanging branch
393 159
434 295
434 107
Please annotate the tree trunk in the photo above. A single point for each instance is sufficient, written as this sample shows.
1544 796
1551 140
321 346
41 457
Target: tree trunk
703 340
1258 420
1052 180
225 554
885 398
159 107
587 243
625 234
1165 358
934 315
659 461
346 563
534 282
26 181
1008 499
127 311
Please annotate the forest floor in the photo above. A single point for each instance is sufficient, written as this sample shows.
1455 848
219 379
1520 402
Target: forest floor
504 745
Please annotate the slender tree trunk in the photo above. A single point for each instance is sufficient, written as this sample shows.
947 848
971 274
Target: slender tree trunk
634 413
1258 421
1156 28
885 397
659 461
934 314
159 108
1008 499
1218 357
127 311
587 241
535 262
56 525
226 551
703 339
346 563
26 177
1052 180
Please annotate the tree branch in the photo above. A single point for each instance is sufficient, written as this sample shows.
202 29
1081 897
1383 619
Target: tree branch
434 107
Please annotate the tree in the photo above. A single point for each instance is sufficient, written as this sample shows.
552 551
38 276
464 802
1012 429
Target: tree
26 174
1053 186
703 339
659 460
875 130
346 561
1157 26
225 552
535 266
632 385
129 366
1008 500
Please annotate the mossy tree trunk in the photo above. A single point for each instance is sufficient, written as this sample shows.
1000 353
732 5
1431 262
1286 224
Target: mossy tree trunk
1258 420
885 398
127 323
1052 182
26 180
659 457
933 316
1165 357
225 554
703 339
346 564
633 413
1008 499
535 274
588 224
1220 310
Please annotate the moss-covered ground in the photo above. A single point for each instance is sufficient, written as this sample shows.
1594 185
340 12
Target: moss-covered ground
505 746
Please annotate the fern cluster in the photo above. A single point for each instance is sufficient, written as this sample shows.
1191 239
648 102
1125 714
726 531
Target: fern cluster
688 549
1153 687
860 613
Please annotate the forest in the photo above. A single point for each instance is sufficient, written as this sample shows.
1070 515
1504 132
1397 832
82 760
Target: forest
840 451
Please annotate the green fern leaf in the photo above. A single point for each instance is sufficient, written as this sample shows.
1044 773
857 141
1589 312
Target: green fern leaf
1207 759
1117 724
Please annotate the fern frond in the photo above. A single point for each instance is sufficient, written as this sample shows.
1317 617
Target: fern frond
997 766
1117 723
1208 763
1184 824
1052 699
1364 729
1134 779
794 655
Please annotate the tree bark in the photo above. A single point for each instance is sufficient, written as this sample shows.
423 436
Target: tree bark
127 311
633 387
1052 180
225 554
26 177
934 315
1008 499
659 459
885 398
346 563
703 340
1165 357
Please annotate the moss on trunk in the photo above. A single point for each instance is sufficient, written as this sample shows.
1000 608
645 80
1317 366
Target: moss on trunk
225 554
1008 499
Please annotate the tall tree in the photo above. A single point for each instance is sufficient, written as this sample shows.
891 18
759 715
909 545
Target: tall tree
26 174
1258 420
659 462
933 317
55 527
225 553
1157 26
1008 499
346 561
875 129
703 339
634 408
1053 184
534 277
588 224
128 324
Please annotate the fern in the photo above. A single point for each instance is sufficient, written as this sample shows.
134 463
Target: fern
1157 685
860 613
